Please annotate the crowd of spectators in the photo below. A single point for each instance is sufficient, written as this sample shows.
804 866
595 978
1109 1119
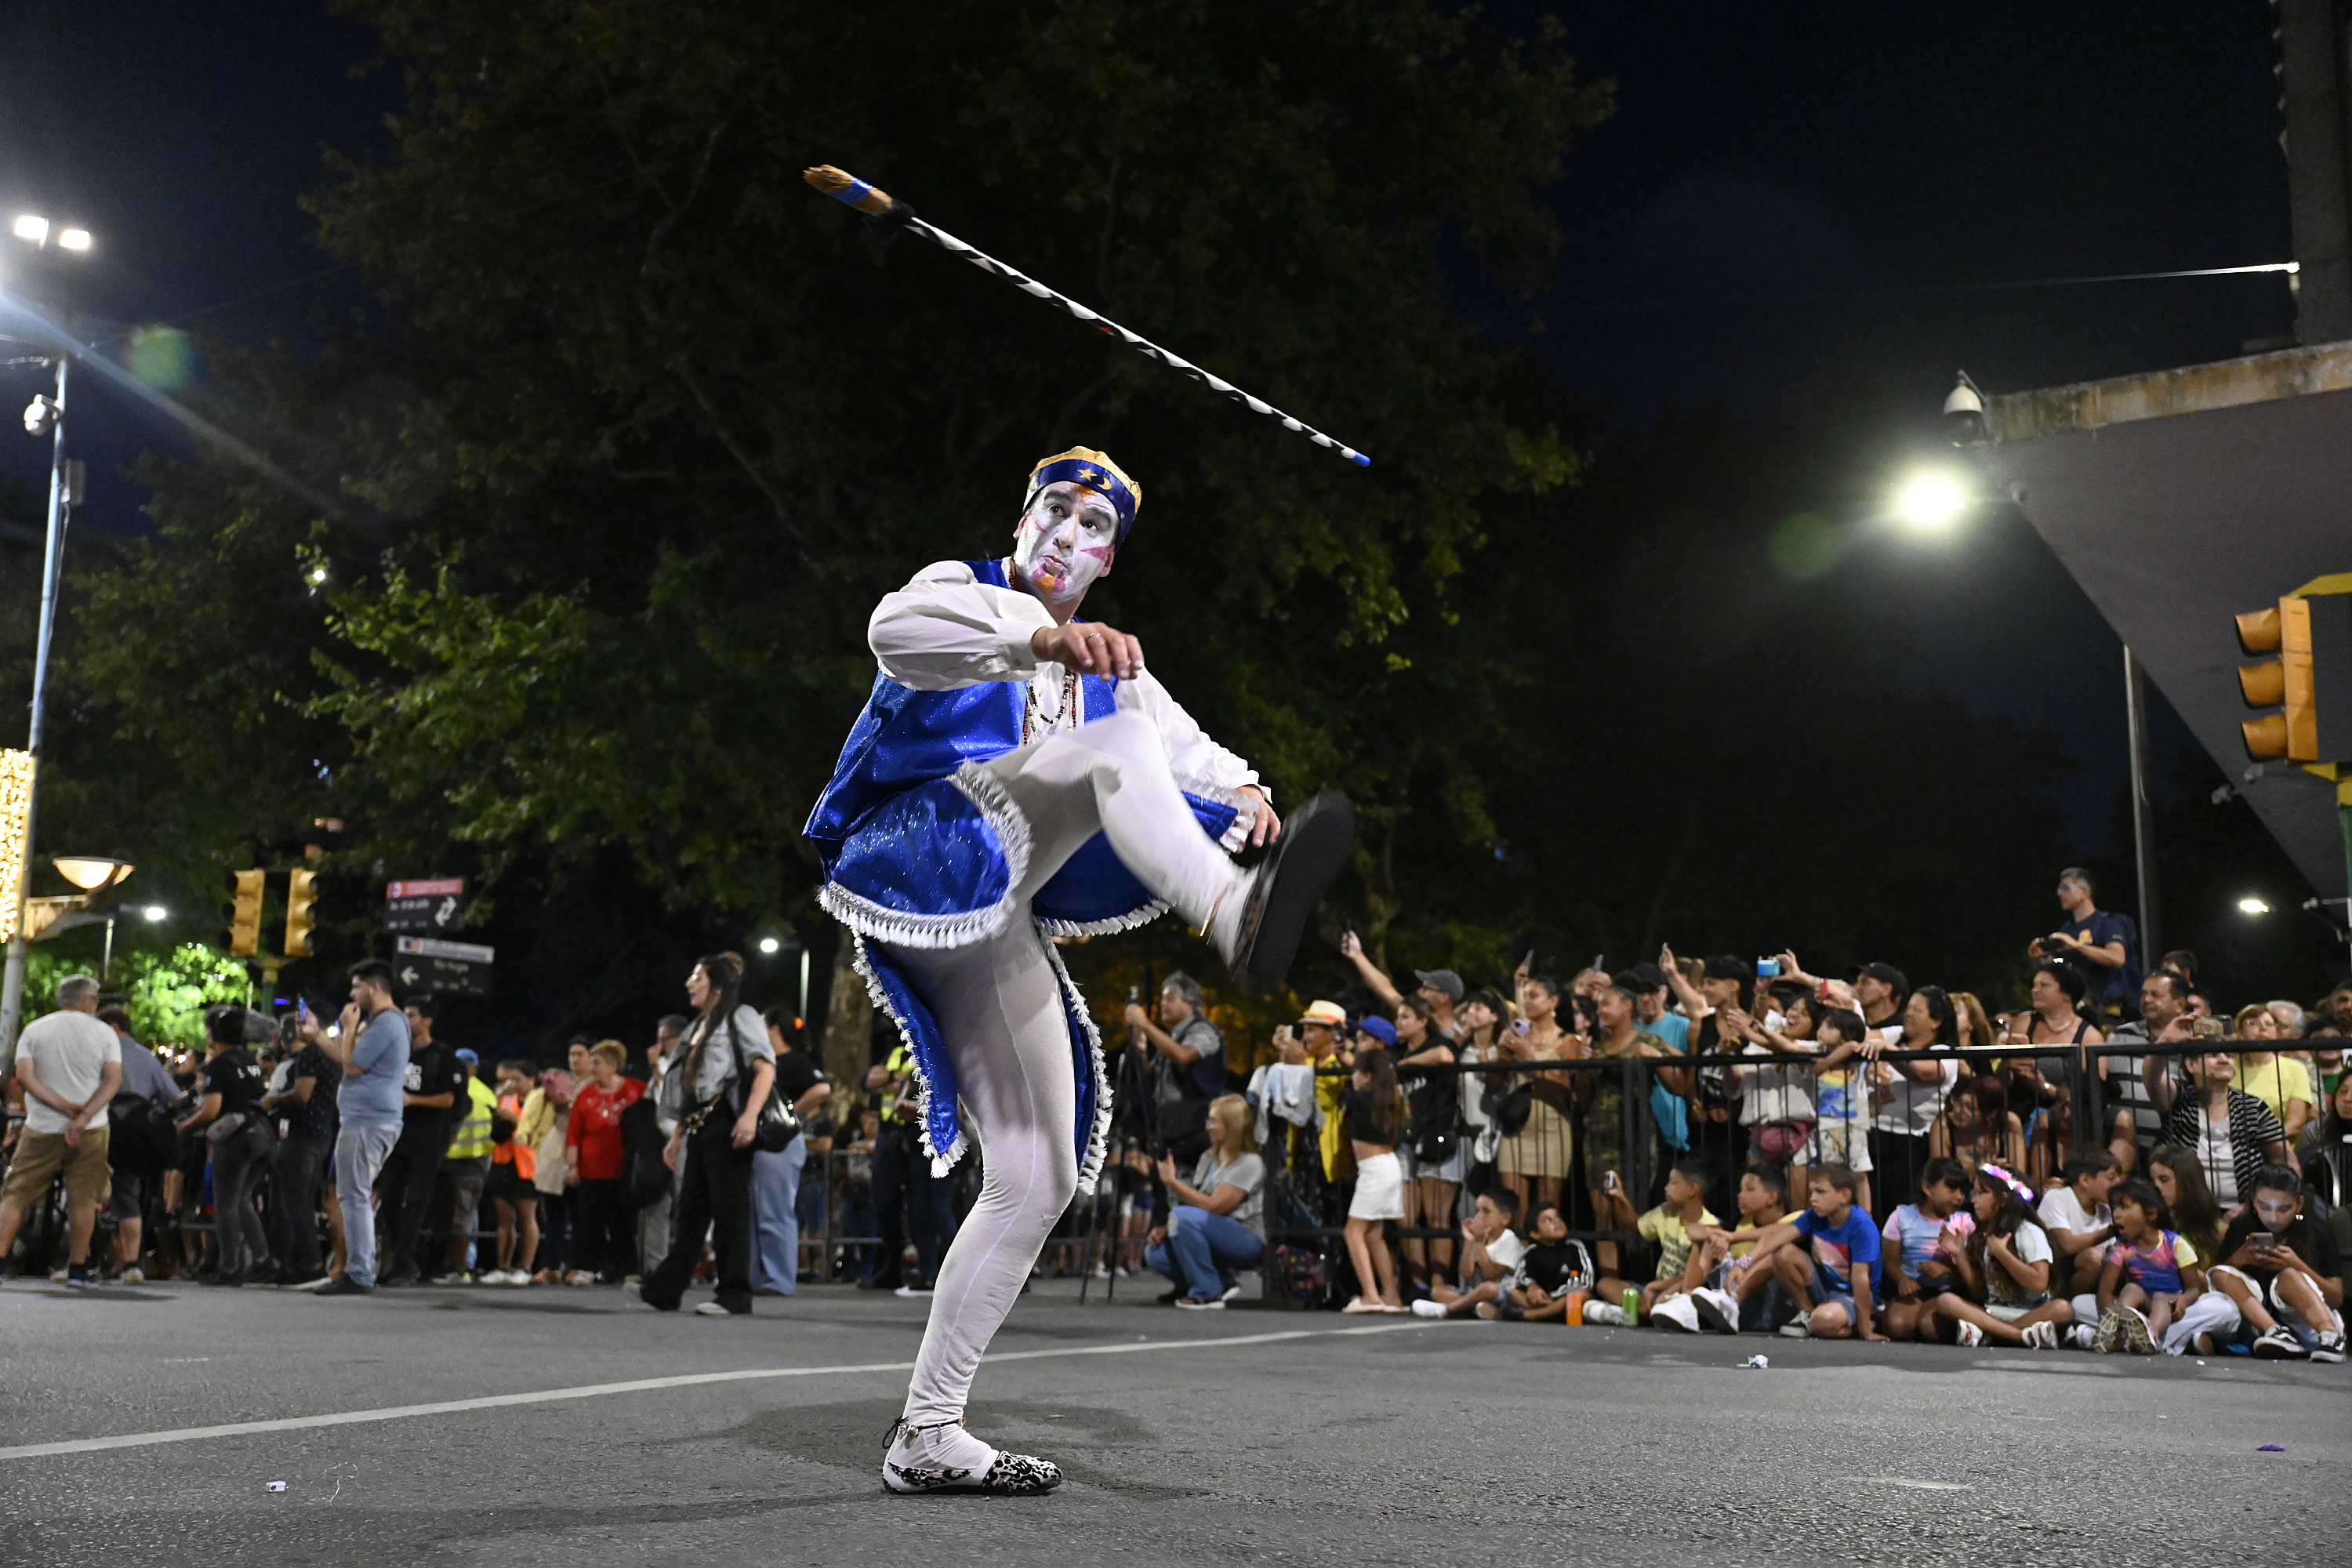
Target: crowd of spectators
1892 1161
1723 1145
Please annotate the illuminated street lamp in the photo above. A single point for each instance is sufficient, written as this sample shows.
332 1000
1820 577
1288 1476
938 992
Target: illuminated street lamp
92 872
2251 905
19 826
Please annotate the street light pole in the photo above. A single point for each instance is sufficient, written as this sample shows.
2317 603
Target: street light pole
12 980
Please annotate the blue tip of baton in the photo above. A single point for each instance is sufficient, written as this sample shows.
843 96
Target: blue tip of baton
1359 459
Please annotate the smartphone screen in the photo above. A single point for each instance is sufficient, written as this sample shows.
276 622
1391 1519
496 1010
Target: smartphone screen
2264 1240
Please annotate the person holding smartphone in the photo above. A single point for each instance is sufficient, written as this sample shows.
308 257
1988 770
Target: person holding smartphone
2282 1269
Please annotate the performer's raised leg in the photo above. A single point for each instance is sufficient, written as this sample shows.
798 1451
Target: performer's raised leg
1001 1009
1112 777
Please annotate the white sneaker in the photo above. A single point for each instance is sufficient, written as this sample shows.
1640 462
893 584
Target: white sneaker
713 1309
2331 1344
1214 1304
2042 1336
1676 1312
2081 1335
908 1292
1607 1314
1232 1292
135 1275
1428 1309
1801 1326
1719 1313
1971 1336
947 1458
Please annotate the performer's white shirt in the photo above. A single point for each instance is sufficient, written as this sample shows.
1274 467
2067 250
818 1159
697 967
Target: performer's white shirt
946 629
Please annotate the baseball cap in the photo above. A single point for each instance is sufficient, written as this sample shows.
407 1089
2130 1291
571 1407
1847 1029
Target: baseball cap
470 1057
1648 977
1445 979
1378 1028
1887 973
1327 1013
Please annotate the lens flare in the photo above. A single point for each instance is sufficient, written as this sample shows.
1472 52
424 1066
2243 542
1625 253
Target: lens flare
1931 499
162 357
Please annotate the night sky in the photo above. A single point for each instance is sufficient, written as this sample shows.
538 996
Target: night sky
1793 207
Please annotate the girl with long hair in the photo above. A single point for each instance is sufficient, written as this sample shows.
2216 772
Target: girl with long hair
2001 1273
1441 1148
717 1093
1375 1124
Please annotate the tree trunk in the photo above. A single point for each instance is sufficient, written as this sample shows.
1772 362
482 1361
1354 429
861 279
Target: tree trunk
848 1020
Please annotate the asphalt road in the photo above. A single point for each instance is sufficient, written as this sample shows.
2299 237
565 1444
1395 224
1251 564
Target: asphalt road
1357 1441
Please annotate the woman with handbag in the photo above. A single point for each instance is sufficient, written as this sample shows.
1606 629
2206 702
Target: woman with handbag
718 1086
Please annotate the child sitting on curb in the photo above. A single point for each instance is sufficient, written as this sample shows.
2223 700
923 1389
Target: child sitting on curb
1828 1257
2152 1276
1669 1225
1920 1239
2002 1271
1490 1254
2294 1281
2076 1219
1727 1297
1553 1269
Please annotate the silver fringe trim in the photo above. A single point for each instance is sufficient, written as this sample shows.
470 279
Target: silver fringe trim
1098 1136
940 1163
1065 930
899 928
1246 816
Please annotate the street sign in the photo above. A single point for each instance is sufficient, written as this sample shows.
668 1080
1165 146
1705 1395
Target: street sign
426 963
430 905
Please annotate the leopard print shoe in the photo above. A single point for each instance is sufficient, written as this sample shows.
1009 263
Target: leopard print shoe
944 1457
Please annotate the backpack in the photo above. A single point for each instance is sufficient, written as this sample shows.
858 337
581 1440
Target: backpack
140 1136
643 1173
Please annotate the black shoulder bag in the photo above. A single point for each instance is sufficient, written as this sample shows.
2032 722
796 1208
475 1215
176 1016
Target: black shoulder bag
779 1124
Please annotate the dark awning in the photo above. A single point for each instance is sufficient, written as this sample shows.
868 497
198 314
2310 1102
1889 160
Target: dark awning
2180 498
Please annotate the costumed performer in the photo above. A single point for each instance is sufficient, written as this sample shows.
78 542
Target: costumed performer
1017 775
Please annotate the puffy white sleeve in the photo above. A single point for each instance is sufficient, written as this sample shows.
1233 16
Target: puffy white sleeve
946 629
1193 757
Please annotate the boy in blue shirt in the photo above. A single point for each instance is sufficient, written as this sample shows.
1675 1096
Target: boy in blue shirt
1827 1257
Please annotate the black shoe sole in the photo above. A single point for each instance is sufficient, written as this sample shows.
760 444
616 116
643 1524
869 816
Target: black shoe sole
1314 843
1710 1316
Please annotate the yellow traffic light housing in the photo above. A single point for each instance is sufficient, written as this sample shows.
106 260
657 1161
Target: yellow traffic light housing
301 892
2309 682
245 921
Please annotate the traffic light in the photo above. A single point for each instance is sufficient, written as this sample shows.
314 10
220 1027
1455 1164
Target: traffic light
245 921
2310 680
301 892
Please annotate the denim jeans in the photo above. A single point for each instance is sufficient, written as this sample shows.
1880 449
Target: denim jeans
775 1217
1202 1249
238 1161
361 1149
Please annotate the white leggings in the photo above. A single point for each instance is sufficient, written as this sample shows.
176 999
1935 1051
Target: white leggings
999 1005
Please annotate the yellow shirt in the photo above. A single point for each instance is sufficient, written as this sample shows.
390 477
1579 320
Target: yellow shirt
2275 1082
1742 1248
1664 1226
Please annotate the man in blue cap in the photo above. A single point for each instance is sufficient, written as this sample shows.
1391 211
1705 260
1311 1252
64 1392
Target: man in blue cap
1018 776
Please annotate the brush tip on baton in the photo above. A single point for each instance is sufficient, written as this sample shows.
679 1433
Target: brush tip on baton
848 189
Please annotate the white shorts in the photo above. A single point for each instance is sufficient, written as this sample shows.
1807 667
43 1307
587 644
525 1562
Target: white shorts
2284 1311
1380 1189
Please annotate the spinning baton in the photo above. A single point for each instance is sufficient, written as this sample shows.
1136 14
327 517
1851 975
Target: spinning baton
851 191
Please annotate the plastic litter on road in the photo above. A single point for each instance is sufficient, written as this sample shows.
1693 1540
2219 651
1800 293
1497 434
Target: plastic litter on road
277 1486
2272 1448
1758 1363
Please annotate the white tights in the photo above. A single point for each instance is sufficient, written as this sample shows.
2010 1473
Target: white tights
999 1005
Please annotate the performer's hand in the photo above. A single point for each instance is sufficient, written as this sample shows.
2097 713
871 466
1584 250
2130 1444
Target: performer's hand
1089 648
1268 827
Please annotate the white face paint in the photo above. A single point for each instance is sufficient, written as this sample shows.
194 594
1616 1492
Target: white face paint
1065 540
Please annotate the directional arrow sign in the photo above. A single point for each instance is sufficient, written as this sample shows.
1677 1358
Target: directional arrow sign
429 963
429 905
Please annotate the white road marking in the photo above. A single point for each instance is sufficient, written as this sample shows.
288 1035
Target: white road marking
638 1385
1880 1481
